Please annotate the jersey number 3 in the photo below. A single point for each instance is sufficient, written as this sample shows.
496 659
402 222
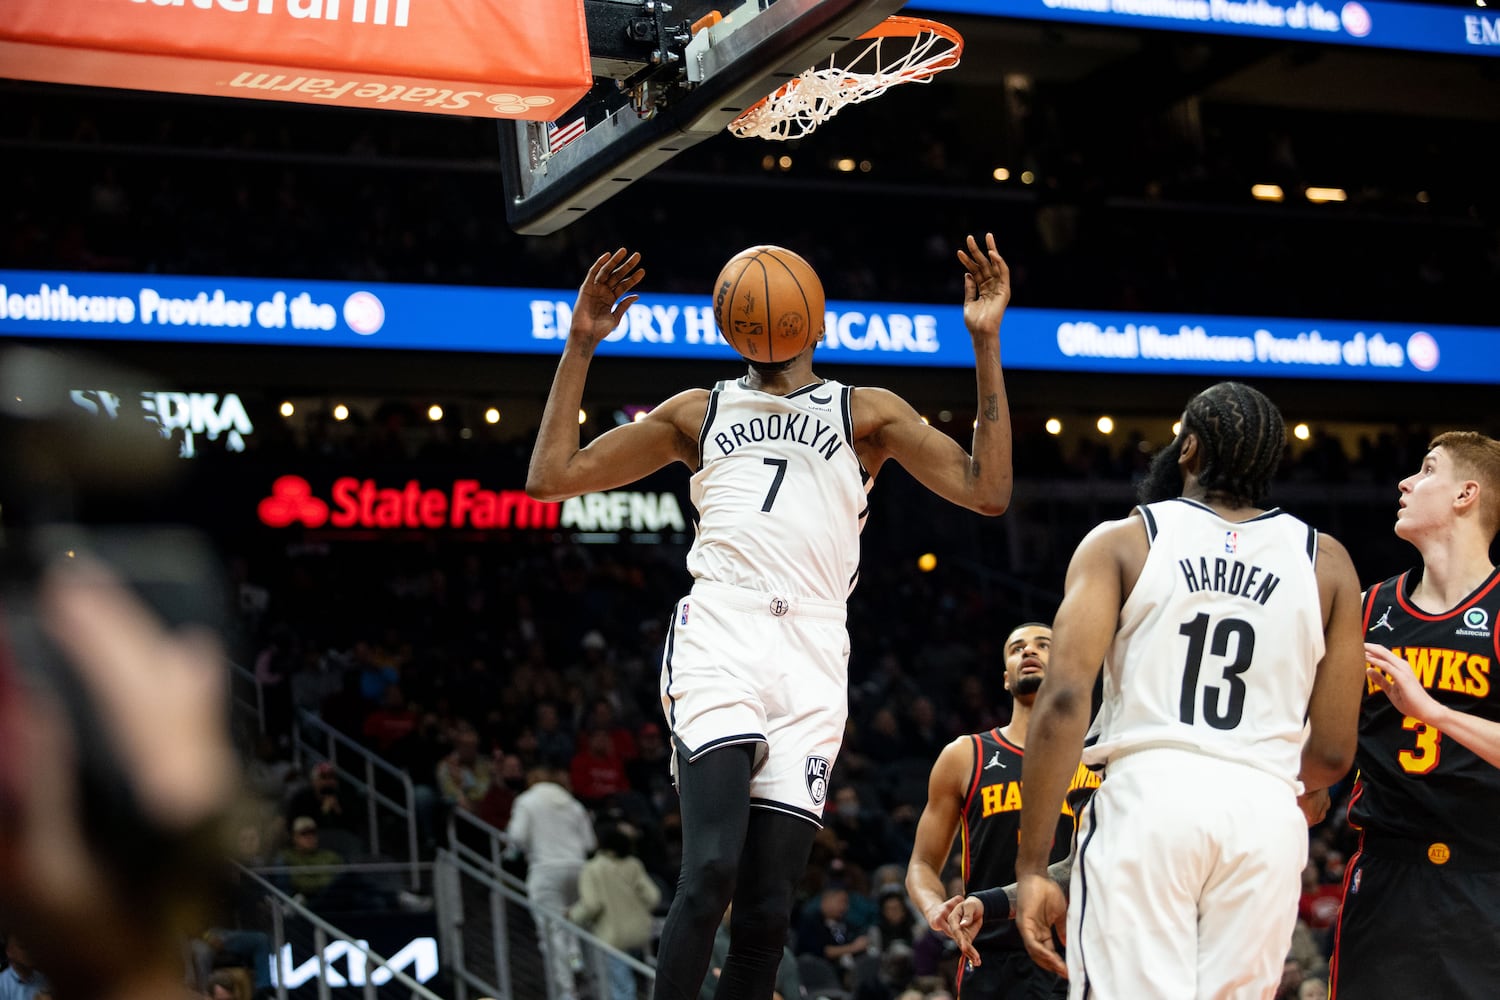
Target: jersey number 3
1215 713
1425 757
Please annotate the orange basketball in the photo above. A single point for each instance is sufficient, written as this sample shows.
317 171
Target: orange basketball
769 304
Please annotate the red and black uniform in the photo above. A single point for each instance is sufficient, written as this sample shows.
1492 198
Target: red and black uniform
991 834
1421 910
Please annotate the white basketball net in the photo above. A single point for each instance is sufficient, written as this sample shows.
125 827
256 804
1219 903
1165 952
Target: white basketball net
807 101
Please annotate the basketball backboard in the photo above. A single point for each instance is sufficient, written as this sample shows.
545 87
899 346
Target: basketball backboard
665 78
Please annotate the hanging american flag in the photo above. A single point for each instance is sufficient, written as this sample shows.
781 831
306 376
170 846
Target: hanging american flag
560 136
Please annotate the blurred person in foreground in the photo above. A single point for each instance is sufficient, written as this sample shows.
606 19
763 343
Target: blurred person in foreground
18 980
116 770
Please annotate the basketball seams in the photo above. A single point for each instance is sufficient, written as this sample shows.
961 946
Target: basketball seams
795 280
736 322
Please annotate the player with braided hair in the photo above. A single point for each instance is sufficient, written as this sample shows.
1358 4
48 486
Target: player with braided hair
1221 626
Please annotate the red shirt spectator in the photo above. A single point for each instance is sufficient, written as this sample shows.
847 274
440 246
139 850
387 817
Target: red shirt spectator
392 722
597 771
1319 905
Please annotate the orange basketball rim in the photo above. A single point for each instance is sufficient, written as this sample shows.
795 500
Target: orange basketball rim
898 50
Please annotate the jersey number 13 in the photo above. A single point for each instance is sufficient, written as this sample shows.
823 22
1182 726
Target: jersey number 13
1229 632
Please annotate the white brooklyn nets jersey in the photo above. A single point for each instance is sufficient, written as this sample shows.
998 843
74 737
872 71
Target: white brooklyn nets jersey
780 494
1218 643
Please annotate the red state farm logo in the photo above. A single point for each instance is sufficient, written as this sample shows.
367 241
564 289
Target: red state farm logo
364 503
291 500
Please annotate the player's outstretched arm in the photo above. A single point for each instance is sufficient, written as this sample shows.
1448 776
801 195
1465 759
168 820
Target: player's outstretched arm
1333 709
936 829
559 467
1395 677
886 426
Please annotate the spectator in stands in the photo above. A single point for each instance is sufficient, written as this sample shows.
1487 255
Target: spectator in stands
650 772
615 900
304 852
19 981
1319 905
390 723
553 830
827 933
554 744
376 672
788 982
896 926
467 780
327 802
864 835
602 716
598 772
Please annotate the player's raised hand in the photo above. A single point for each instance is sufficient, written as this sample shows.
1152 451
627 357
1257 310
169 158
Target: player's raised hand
986 287
604 296
1394 676
1041 906
965 916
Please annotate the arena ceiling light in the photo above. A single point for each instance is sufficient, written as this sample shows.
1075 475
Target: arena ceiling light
341 412
1301 432
1106 424
434 413
1001 174
1322 195
1267 192
1054 426
492 416
287 409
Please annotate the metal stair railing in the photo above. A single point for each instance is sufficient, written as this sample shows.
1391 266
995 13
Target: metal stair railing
323 932
333 744
456 879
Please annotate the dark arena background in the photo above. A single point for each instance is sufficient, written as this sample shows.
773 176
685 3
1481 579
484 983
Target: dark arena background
346 347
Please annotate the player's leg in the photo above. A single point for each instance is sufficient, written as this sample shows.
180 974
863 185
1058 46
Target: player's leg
1249 903
715 800
1410 928
1133 904
776 851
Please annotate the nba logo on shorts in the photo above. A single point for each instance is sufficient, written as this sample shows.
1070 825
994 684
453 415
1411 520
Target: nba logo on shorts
1354 882
1231 542
817 779
682 619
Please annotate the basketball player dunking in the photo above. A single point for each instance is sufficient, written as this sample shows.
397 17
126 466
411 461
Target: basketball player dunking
975 790
754 677
1222 628
1421 908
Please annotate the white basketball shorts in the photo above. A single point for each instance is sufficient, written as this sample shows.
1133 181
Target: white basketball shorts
1186 885
747 667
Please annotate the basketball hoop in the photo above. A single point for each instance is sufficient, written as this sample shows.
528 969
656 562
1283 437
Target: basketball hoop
897 50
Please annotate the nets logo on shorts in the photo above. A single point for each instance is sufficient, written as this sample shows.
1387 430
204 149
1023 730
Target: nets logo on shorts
817 778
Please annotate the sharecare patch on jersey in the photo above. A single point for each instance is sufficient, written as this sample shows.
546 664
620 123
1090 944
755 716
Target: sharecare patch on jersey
1231 542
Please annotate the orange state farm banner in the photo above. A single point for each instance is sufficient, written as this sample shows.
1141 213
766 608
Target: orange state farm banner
478 58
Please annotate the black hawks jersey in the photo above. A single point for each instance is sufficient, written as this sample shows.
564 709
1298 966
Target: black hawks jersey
1414 783
991 833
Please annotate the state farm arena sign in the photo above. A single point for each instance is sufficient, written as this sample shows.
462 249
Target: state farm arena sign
366 504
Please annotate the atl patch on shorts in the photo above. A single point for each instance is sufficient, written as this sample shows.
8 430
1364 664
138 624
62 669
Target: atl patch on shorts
1416 923
747 667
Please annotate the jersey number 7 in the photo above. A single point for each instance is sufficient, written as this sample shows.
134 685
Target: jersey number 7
780 464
